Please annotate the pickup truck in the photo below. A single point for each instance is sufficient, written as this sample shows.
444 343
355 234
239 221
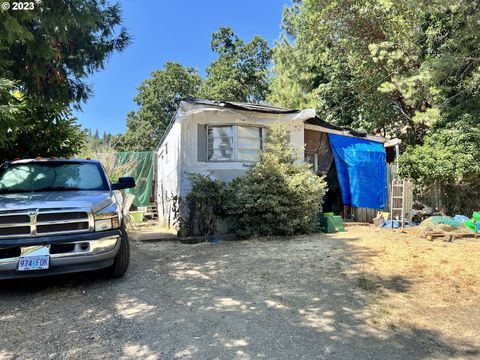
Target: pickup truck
61 216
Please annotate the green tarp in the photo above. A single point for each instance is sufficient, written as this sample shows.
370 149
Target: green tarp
143 174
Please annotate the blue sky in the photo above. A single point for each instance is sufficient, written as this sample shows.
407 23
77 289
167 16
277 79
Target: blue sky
162 30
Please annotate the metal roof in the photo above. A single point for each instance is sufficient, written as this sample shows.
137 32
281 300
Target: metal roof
276 110
319 122
315 121
242 106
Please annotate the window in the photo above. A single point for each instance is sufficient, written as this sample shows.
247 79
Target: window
220 143
250 143
235 143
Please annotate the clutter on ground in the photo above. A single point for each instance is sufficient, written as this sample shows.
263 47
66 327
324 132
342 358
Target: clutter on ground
448 228
434 224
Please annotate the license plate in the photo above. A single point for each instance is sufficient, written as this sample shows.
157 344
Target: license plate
40 262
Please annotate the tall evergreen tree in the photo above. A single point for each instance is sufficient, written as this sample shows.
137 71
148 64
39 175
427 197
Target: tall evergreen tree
49 52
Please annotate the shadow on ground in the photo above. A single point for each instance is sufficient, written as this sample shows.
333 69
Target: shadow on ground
276 299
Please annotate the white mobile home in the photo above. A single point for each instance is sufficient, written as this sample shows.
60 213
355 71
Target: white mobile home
224 139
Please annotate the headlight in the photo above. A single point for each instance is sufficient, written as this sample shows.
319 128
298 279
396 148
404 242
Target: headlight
104 224
107 219
107 224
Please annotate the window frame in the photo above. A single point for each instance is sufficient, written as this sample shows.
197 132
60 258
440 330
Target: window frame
235 138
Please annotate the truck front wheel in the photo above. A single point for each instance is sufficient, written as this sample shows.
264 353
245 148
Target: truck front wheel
120 264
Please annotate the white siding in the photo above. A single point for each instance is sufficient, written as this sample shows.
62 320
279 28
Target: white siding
168 180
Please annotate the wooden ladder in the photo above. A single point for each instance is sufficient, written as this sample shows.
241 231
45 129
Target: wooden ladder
398 203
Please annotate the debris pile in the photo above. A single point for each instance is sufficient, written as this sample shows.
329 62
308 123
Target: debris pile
420 212
448 228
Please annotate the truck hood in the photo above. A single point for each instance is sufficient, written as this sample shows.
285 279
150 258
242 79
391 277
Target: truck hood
95 200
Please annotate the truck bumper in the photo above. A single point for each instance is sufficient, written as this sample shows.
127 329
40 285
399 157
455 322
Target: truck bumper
68 253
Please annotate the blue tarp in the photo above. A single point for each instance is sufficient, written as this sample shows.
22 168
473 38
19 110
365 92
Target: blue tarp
362 171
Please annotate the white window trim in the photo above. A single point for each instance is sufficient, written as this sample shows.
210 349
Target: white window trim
235 140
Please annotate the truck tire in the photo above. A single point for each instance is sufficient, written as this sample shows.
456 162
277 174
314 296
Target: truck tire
120 264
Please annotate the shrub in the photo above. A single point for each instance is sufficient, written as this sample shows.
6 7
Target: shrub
205 205
279 195
446 168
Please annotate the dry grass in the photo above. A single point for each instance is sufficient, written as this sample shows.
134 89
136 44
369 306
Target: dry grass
367 283
424 284
114 168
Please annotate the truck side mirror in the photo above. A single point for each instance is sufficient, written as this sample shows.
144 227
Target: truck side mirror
125 182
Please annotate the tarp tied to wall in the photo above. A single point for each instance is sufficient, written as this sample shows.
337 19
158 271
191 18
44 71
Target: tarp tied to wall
143 174
362 171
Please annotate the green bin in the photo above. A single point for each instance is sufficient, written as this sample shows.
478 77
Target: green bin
137 216
476 216
334 224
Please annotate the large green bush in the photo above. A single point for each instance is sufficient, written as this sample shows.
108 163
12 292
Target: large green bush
279 195
446 168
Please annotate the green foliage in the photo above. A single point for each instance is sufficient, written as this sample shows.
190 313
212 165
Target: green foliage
448 163
94 143
241 71
48 53
45 131
205 204
52 49
158 98
387 67
279 195
334 56
10 110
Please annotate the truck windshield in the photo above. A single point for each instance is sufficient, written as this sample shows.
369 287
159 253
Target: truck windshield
51 176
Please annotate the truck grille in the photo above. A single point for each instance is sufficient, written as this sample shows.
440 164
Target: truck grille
17 230
62 216
40 222
9 219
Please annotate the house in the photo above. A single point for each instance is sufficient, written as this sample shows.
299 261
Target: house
224 139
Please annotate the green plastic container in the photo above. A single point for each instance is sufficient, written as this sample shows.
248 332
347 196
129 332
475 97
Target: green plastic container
328 214
472 225
137 216
334 224
476 216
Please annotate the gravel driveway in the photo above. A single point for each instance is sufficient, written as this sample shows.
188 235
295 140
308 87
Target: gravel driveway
277 299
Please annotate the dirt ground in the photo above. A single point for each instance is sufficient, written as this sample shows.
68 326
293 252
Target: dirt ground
362 294
416 283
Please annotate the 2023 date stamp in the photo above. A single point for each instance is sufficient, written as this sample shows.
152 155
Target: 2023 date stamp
18 5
